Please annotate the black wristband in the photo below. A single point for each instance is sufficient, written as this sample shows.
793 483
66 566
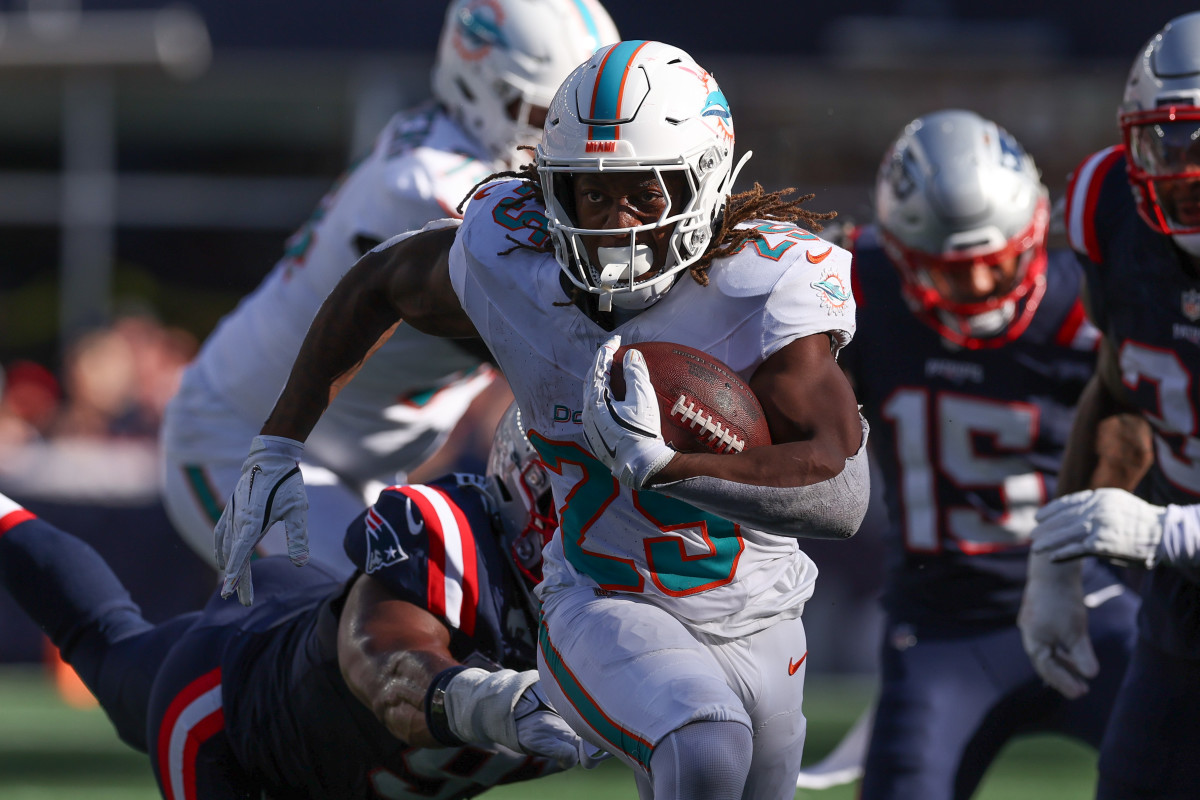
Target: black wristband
435 708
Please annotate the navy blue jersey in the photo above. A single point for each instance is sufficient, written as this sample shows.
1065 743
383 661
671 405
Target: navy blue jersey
434 546
1145 298
968 442
234 702
431 545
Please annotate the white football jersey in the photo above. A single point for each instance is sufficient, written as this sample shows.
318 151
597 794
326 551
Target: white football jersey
717 576
420 169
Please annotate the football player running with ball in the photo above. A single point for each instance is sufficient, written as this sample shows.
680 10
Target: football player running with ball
1140 253
969 384
671 632
326 688
497 66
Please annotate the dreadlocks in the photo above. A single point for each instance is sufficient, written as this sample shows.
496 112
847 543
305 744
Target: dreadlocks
528 174
755 204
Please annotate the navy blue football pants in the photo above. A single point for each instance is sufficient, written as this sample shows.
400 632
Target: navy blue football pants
949 705
1152 747
160 685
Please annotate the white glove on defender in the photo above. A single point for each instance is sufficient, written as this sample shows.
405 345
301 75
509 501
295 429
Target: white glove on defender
1110 523
508 708
269 490
1053 623
624 434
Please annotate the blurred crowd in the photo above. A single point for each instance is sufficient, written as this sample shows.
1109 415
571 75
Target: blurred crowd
114 383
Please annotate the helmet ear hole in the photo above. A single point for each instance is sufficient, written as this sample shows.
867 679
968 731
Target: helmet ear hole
462 86
502 488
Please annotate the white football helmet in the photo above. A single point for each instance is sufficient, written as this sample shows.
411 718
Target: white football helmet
955 190
637 106
1160 121
499 59
519 488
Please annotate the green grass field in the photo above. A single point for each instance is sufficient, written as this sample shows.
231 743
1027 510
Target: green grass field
49 751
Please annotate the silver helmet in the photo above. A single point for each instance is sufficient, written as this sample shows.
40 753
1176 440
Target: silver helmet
519 488
1160 122
955 191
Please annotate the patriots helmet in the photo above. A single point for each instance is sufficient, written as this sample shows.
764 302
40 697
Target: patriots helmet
518 486
637 107
1160 123
499 62
963 214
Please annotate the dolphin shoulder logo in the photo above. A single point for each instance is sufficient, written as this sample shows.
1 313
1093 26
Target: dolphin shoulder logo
383 545
832 294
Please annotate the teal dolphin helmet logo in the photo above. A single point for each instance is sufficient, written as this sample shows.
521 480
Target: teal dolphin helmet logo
715 105
478 27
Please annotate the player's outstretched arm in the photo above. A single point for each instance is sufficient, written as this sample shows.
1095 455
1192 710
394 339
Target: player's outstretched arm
813 481
395 657
406 278
389 652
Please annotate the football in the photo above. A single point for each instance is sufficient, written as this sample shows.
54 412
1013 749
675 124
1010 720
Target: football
704 406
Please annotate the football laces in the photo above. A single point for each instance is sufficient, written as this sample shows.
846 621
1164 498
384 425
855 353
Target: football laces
708 429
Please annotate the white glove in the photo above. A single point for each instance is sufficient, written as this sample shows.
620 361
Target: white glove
508 708
269 490
624 434
1110 523
1053 623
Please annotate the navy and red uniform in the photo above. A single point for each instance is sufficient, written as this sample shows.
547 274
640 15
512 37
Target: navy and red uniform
1144 295
968 442
235 702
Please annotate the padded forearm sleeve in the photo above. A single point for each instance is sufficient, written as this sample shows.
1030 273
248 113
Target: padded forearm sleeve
831 509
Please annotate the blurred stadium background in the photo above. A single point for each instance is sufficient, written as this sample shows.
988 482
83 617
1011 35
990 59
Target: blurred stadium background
155 155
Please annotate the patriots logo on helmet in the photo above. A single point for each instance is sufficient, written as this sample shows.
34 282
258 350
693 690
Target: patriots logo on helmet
478 29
